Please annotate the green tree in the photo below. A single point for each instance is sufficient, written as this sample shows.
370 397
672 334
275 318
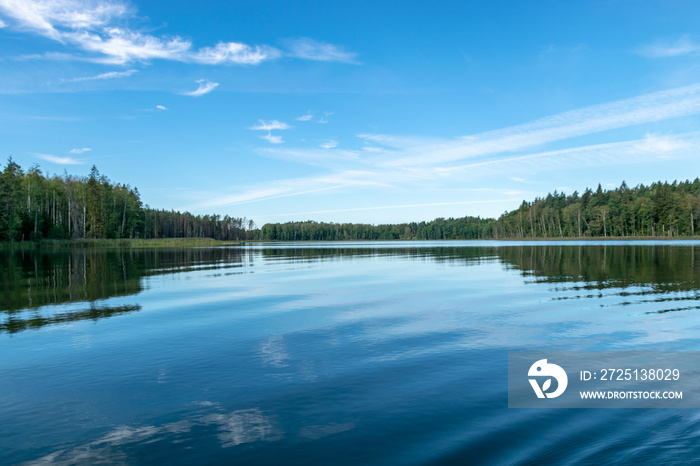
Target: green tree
94 220
10 201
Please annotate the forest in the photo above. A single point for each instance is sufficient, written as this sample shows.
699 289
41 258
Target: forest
34 206
660 210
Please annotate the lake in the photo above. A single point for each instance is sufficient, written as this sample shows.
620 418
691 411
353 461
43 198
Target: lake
333 353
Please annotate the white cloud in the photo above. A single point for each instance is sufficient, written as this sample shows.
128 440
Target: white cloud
306 117
2 24
273 139
378 176
110 75
287 188
330 144
683 46
646 108
86 24
422 161
205 87
234 52
269 125
622 153
48 17
80 151
157 108
54 56
90 25
58 160
123 46
392 207
309 49
661 144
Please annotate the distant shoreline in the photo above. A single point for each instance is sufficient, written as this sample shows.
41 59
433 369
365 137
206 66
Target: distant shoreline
567 239
208 242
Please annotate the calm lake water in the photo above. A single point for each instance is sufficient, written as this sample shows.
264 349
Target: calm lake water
332 353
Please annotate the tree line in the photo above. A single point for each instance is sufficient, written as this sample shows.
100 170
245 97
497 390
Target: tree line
452 228
34 206
660 209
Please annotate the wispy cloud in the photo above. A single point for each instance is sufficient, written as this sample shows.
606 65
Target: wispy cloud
290 187
662 144
324 119
234 52
393 207
273 139
402 162
309 49
646 108
80 151
373 176
157 108
121 46
598 155
54 56
58 160
2 24
330 144
48 17
682 46
110 75
269 125
87 25
98 28
205 87
306 117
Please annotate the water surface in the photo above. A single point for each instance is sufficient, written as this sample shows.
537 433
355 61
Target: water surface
332 353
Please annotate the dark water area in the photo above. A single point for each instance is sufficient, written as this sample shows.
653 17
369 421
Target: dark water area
333 353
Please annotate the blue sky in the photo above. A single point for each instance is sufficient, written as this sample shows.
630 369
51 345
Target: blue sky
383 111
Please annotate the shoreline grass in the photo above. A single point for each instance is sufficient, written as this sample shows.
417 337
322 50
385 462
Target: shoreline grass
117 243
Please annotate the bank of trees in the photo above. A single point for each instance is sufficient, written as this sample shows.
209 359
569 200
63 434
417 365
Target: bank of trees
35 206
174 224
661 209
459 228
